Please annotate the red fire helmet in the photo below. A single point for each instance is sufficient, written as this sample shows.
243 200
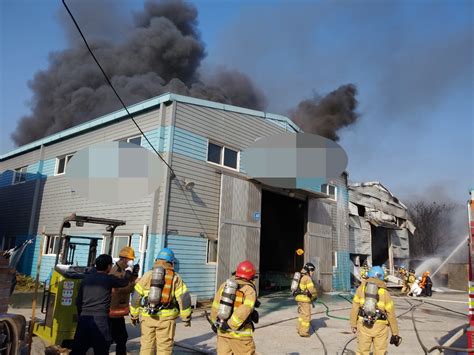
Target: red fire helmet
246 270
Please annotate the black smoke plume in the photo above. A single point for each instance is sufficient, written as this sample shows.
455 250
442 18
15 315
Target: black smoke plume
162 52
326 115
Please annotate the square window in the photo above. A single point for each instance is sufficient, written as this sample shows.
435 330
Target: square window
135 140
230 158
214 153
119 243
20 175
61 164
212 251
330 190
51 244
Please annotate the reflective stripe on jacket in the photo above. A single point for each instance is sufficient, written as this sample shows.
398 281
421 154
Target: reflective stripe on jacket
306 286
384 304
179 297
239 322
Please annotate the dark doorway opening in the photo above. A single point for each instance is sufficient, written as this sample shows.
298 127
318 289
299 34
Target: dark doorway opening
282 233
379 246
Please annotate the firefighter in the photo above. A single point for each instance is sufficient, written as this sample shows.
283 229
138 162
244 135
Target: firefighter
364 269
402 271
411 278
163 291
305 294
119 306
426 284
233 312
372 314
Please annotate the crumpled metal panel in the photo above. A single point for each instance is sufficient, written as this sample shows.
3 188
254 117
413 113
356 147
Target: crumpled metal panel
359 235
400 243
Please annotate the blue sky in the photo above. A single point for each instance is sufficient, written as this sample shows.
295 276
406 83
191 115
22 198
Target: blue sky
412 62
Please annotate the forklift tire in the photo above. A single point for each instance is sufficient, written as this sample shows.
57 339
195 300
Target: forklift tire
12 334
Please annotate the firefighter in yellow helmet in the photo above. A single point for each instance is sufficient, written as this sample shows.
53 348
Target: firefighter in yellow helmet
163 291
233 312
402 272
119 305
372 314
411 278
305 293
364 269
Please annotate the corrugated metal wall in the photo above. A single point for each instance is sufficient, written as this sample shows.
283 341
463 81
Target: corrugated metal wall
191 254
318 240
239 235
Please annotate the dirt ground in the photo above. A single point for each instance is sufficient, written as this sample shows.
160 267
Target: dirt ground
438 319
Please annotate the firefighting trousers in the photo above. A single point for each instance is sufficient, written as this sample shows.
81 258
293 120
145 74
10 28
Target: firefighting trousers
157 336
235 346
118 330
304 318
377 335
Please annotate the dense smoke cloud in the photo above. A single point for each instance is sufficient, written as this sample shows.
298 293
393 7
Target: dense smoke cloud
162 52
326 115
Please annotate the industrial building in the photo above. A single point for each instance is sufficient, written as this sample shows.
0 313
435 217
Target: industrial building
211 213
379 227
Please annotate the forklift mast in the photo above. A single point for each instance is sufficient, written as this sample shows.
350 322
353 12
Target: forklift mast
66 247
61 290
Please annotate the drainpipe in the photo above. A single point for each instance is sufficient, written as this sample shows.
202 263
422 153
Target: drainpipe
142 249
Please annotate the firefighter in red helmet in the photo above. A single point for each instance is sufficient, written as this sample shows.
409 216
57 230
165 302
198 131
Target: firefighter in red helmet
233 312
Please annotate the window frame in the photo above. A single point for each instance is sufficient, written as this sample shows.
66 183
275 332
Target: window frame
127 139
222 157
327 191
47 244
116 237
207 153
19 172
209 241
67 158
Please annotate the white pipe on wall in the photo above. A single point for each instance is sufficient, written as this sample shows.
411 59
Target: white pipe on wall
142 249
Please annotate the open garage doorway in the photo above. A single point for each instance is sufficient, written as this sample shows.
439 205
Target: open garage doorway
283 226
380 245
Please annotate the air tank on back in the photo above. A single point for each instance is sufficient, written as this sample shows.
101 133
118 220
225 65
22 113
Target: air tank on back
156 286
227 300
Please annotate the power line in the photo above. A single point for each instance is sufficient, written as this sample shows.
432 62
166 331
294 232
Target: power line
113 88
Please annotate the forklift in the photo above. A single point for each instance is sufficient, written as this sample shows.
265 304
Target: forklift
60 291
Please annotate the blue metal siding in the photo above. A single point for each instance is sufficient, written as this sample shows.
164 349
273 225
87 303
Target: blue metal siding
48 167
154 138
190 144
155 243
191 264
341 280
6 178
29 259
32 171
313 184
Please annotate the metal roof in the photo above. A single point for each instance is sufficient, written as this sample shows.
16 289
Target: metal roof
136 108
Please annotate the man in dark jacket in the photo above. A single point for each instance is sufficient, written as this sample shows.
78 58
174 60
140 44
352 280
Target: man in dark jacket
93 305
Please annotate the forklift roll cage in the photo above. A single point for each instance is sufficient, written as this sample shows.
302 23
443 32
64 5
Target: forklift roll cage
65 246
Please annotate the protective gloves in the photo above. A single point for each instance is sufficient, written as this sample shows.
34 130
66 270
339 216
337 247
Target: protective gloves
396 340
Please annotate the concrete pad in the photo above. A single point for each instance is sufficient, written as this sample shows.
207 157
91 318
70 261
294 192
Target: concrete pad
276 331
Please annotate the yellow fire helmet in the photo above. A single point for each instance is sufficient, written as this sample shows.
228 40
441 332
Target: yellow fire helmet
127 252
